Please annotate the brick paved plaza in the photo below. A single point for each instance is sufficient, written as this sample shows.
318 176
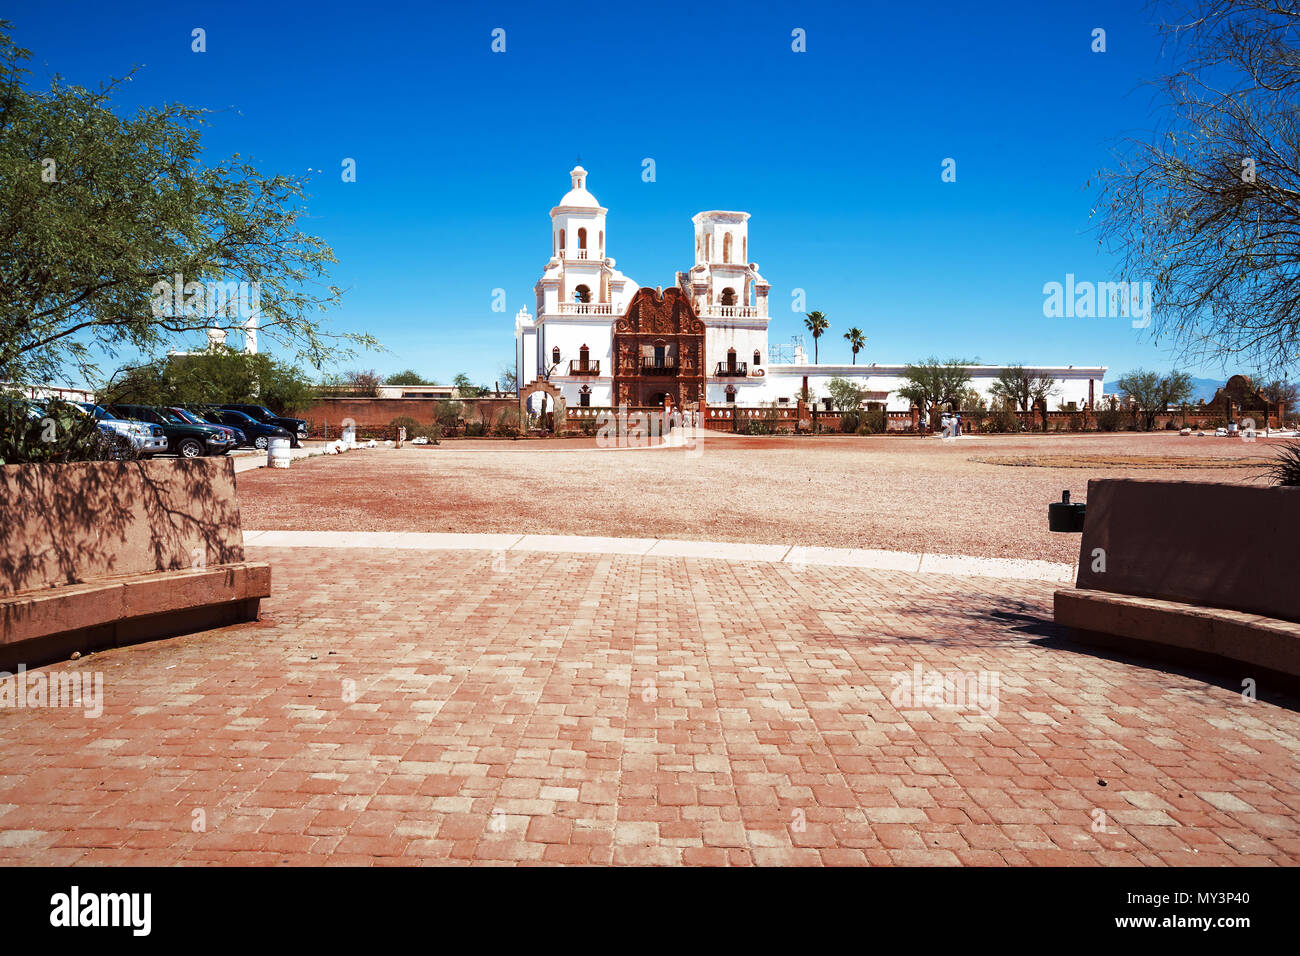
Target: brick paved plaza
400 707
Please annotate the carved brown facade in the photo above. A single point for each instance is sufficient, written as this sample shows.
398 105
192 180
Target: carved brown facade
659 351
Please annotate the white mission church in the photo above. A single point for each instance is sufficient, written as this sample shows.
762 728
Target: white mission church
605 341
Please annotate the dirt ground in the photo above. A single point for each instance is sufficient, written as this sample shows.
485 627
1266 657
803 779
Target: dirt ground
895 493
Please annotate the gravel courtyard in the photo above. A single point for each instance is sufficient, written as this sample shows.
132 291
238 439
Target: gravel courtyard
893 493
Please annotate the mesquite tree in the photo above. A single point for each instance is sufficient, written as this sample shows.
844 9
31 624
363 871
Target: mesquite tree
101 212
1206 205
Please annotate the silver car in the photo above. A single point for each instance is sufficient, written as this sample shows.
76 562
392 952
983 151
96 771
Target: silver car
146 439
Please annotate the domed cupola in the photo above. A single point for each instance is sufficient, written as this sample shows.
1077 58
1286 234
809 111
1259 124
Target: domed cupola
578 222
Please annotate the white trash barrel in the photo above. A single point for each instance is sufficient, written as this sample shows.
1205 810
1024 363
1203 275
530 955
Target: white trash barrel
277 453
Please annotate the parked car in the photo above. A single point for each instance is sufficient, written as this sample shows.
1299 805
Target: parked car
296 427
256 433
185 439
146 439
196 419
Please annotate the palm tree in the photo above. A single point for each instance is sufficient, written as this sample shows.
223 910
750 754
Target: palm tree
857 342
816 324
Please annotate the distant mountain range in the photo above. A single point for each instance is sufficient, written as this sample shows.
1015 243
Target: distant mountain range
1202 388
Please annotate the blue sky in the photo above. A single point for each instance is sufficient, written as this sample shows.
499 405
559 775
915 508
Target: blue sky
836 153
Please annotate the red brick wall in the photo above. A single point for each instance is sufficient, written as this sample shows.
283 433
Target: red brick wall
378 412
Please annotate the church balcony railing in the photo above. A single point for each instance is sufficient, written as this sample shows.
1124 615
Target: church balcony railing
579 254
732 311
664 366
584 308
726 369
579 367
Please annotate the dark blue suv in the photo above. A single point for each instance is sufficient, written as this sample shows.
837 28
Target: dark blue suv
258 434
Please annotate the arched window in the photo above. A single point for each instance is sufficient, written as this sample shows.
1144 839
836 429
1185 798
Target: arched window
561 242
584 357
582 294
731 395
600 249
757 363
728 296
582 238
731 359
584 396
555 355
744 249
726 247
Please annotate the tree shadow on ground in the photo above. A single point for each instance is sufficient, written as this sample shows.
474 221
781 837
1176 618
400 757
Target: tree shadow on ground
1021 618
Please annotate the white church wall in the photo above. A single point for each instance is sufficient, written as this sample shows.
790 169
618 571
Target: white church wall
719 338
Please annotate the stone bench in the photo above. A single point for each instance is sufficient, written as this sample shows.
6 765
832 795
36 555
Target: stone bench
1195 572
100 554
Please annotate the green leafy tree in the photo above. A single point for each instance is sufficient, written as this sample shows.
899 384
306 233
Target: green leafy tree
857 342
467 389
1023 390
408 377
216 376
1150 393
101 212
1284 392
972 401
933 384
846 396
816 323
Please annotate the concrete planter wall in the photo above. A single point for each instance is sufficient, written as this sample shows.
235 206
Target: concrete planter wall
100 553
1228 546
1194 572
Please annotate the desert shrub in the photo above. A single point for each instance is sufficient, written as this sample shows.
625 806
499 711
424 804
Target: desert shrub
507 424
54 431
1284 469
1003 420
849 422
1110 419
871 422
413 428
475 429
